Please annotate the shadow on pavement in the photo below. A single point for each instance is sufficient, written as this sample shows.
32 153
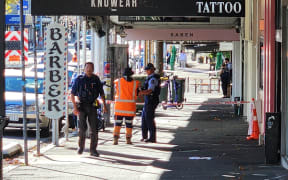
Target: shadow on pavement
213 146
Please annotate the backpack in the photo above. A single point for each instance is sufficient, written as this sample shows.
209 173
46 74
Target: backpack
157 90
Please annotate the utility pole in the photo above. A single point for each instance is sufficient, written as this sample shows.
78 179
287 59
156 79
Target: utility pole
83 60
36 88
66 112
78 44
23 86
2 79
107 30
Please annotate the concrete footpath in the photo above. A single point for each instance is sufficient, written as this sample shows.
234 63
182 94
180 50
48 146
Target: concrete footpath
197 142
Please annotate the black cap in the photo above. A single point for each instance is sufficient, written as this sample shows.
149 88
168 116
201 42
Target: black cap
150 66
128 72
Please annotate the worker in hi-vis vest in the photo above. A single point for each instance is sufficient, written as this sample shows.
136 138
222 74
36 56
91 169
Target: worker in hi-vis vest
125 104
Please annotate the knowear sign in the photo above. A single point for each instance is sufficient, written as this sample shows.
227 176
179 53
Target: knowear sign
220 8
55 71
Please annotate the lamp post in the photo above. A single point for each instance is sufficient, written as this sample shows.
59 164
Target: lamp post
2 79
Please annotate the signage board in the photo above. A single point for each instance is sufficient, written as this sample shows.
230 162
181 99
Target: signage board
162 19
44 19
13 19
106 69
12 48
220 8
183 34
25 6
55 71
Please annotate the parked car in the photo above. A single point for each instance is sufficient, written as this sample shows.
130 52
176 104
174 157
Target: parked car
40 68
14 104
72 74
88 42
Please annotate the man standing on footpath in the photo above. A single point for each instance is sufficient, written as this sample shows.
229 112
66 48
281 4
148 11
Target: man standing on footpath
87 88
182 59
229 66
225 80
125 104
151 93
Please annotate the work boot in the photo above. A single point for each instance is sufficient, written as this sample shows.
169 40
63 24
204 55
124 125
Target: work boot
128 140
93 145
81 144
115 141
95 153
150 140
128 135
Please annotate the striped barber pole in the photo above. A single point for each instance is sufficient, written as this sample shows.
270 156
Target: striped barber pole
12 44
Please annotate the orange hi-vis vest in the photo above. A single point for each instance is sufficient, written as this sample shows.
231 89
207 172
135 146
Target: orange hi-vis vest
125 98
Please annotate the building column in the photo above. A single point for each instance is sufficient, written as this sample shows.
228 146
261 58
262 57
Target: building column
154 52
236 70
96 51
164 55
148 51
83 60
159 57
250 75
151 51
269 58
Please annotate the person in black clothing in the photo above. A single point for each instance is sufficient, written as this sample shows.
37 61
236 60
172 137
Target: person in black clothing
168 56
87 88
151 93
225 79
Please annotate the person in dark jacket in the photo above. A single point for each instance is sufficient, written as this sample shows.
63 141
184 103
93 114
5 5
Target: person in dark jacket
151 93
225 79
87 88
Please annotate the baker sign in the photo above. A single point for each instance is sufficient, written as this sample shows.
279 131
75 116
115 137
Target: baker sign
55 71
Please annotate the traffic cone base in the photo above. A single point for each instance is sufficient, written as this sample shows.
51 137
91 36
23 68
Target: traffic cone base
255 131
255 127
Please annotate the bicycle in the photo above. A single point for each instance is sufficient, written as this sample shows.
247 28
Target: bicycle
100 113
172 102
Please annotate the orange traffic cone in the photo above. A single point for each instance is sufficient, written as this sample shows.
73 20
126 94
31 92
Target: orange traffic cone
74 58
255 127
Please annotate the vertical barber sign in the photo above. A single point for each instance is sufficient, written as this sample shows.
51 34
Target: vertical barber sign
55 71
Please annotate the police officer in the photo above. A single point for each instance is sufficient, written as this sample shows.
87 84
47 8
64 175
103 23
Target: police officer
87 88
125 104
151 93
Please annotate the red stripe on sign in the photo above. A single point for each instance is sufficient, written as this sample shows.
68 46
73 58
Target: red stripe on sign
7 53
25 48
14 38
25 39
7 34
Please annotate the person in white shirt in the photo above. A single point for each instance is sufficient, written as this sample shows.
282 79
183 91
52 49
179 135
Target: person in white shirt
182 59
